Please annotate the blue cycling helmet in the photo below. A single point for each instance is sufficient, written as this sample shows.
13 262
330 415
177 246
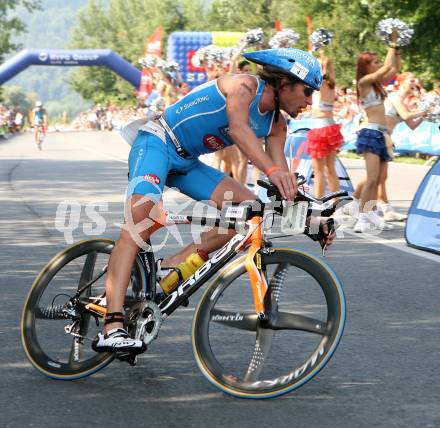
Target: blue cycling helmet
292 62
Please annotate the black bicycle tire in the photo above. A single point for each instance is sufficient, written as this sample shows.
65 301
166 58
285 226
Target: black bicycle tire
33 351
200 326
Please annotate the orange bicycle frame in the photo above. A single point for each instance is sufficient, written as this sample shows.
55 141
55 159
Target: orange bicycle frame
253 263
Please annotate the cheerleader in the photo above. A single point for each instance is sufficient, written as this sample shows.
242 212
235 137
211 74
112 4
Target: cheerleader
373 141
396 111
325 138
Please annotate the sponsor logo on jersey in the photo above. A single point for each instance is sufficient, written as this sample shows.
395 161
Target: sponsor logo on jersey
225 132
254 124
192 103
213 142
152 178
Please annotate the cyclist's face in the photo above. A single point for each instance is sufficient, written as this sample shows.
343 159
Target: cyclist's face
294 98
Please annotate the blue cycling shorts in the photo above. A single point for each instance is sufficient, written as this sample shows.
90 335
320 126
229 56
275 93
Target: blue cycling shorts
153 164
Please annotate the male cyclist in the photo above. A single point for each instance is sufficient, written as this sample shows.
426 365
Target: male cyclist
233 109
39 120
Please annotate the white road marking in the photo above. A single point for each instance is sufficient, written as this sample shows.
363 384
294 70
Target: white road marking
397 244
96 152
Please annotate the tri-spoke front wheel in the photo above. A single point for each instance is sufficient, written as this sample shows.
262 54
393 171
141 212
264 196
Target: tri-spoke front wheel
253 358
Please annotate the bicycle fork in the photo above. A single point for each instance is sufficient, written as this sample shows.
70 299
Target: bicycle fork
254 267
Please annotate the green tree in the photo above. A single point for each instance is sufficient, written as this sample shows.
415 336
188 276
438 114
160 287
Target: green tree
14 97
352 21
354 26
124 26
235 15
56 17
11 24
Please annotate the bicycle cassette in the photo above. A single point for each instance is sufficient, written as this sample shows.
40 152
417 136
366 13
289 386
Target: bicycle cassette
148 320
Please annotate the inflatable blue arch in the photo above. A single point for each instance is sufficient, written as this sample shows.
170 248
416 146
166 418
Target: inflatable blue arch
63 57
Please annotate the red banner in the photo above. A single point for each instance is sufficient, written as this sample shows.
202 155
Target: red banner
153 46
154 43
278 25
309 31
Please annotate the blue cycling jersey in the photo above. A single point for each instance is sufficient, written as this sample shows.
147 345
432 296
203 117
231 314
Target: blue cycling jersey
200 122
39 116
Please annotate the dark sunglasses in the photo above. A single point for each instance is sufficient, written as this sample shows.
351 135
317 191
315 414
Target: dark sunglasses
308 91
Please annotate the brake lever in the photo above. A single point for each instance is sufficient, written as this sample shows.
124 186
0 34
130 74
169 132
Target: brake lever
333 207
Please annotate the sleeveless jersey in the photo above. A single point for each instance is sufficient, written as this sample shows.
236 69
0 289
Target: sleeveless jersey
200 122
39 116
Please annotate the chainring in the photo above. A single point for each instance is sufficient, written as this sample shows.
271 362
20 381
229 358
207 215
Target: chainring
144 320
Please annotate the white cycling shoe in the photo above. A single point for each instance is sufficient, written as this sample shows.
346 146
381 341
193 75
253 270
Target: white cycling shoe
117 340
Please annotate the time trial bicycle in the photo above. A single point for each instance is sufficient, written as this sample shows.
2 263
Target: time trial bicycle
269 320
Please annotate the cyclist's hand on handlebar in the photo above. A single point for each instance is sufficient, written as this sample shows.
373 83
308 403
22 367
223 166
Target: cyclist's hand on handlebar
321 230
327 237
286 183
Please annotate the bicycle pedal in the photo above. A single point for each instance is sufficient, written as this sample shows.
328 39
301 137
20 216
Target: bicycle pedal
129 357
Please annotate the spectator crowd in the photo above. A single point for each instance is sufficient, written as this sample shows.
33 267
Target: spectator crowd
167 88
11 121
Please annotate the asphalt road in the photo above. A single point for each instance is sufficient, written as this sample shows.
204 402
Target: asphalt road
384 373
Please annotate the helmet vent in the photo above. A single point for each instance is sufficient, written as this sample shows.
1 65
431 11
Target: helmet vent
291 60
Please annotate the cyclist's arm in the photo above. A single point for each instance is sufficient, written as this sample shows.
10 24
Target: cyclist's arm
275 143
240 93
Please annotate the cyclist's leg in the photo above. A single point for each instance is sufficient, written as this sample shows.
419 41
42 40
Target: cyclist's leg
217 187
148 166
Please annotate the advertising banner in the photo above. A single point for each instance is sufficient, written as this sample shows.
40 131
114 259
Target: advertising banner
182 45
423 225
424 139
70 58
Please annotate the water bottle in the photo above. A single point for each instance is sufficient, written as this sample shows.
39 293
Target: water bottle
183 271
